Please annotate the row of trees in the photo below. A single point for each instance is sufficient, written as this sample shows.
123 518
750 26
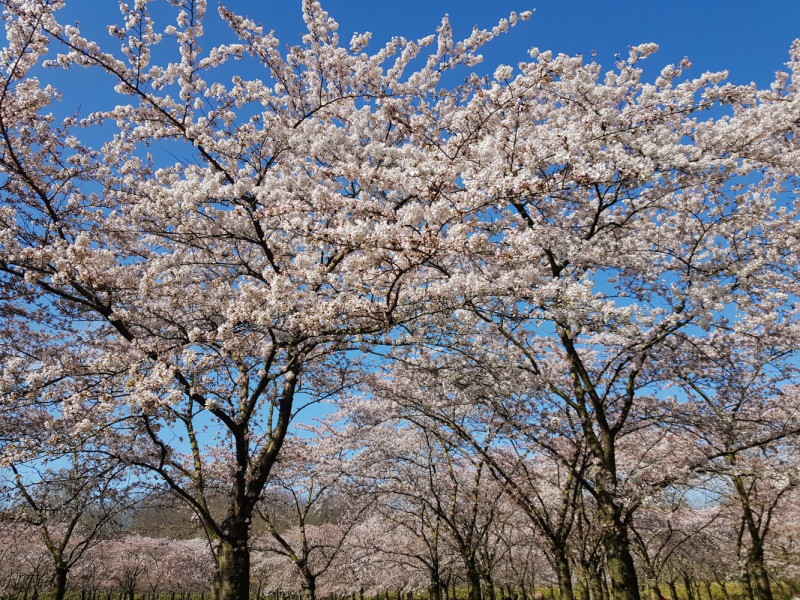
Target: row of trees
124 567
441 521
559 289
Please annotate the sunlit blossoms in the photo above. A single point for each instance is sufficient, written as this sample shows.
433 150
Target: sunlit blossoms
551 313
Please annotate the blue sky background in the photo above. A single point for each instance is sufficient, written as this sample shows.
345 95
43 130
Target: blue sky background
751 39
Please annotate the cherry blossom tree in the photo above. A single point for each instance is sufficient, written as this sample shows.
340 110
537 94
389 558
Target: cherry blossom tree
659 530
191 299
440 484
27 563
72 508
783 550
525 563
57 479
464 402
608 223
383 555
139 564
745 415
308 510
577 239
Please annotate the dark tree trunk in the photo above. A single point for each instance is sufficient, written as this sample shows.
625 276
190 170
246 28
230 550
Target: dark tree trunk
309 585
232 580
435 585
673 592
755 557
758 571
489 589
688 587
59 583
621 569
564 574
602 444
473 583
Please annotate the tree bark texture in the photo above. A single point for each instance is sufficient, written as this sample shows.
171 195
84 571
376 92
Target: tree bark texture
621 568
232 580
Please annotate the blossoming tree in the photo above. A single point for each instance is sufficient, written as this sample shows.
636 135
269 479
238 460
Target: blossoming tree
193 306
338 205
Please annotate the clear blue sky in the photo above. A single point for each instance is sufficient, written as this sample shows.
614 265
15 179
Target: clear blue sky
750 39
